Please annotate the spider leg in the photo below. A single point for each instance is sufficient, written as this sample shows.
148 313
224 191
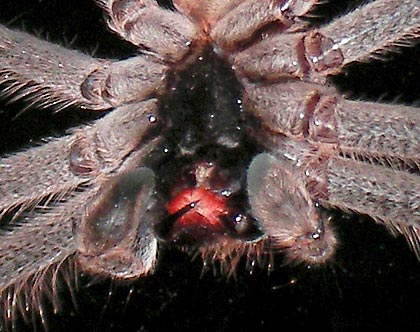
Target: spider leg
363 130
357 36
240 24
133 79
112 237
389 196
166 34
88 155
46 240
46 74
368 31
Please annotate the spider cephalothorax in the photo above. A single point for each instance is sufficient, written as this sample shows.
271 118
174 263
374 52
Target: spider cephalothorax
245 172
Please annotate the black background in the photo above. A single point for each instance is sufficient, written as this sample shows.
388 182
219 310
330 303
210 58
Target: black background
372 282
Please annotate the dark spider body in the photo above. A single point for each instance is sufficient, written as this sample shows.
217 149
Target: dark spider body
185 163
205 130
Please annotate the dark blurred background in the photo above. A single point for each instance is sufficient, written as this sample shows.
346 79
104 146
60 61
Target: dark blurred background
373 281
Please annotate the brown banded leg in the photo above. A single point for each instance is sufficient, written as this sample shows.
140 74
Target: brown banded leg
389 196
60 78
166 34
46 74
89 154
369 30
305 111
45 241
241 23
133 79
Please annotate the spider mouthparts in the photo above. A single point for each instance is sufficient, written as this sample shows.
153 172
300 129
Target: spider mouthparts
195 212
164 228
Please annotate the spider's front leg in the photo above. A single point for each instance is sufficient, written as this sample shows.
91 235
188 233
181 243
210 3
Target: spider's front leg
46 74
238 26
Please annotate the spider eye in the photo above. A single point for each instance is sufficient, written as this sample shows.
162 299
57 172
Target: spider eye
243 226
